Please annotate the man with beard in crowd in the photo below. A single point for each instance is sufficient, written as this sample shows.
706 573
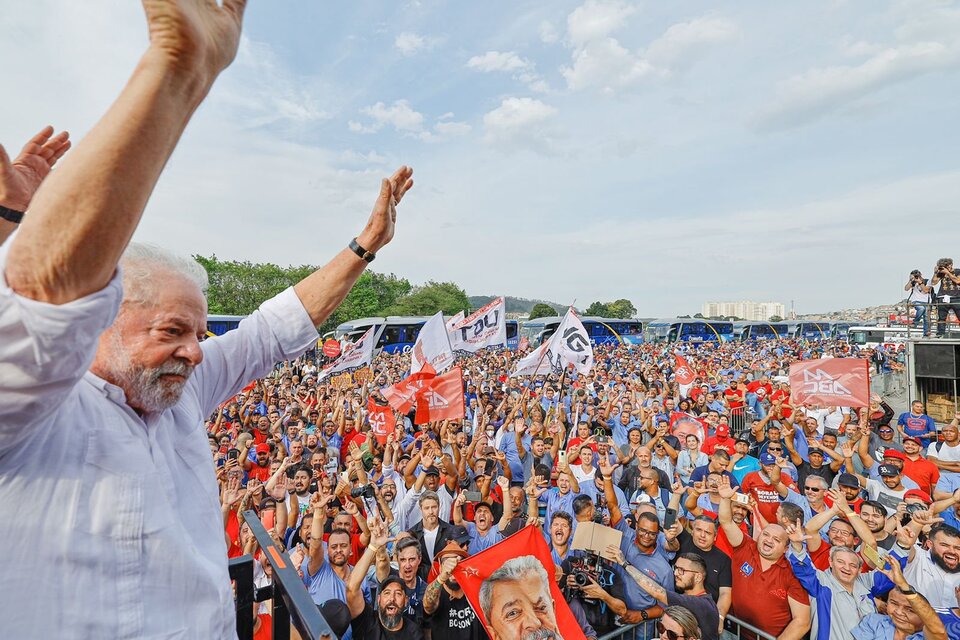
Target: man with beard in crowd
387 621
449 614
935 571
407 555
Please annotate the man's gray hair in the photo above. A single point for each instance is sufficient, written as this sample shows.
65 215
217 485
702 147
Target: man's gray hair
819 480
835 550
142 264
512 570
429 495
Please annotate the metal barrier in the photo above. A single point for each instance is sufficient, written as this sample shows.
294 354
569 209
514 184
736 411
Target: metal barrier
740 420
732 628
291 602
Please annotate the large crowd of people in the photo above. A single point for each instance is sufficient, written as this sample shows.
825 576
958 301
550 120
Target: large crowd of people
828 521
132 452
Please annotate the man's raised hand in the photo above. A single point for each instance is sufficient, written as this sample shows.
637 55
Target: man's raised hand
195 36
380 227
21 178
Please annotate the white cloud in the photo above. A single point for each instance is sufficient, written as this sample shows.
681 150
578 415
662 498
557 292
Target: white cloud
597 19
451 129
548 32
498 61
351 157
400 115
601 62
410 43
521 122
814 93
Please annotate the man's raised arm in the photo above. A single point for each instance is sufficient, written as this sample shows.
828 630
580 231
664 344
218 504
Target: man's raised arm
83 217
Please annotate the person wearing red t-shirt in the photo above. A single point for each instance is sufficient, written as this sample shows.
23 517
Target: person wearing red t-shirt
917 468
757 392
766 593
769 486
259 466
735 396
720 441
780 401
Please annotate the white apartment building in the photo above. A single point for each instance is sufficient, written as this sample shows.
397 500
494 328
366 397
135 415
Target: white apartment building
746 309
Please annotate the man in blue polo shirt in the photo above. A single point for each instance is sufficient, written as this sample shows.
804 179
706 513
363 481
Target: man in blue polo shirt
917 423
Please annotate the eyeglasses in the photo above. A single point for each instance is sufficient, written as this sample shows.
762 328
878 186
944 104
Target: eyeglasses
666 633
683 571
646 532
774 449
813 488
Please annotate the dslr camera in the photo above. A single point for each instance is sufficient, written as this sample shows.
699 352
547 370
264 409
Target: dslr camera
583 570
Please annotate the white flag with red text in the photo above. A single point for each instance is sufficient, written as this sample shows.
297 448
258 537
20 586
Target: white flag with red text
432 346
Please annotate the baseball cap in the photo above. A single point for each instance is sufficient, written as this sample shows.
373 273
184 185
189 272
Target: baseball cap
459 533
393 578
815 451
263 448
848 480
921 495
888 471
744 437
337 615
723 430
893 453
768 458
432 471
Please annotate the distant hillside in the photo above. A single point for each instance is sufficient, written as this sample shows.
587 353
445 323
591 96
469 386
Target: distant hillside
515 305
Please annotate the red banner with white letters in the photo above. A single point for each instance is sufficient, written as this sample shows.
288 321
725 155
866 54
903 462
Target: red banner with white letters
684 373
441 398
382 420
403 395
831 382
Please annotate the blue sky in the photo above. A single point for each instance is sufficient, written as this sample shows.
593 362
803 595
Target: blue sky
668 153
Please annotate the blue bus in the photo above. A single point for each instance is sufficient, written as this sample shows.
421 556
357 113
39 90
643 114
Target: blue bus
601 330
220 324
760 330
840 330
399 333
810 330
688 330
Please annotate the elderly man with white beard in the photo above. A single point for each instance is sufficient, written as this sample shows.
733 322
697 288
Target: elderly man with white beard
105 382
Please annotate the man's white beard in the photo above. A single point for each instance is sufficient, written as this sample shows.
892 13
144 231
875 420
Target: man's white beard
145 387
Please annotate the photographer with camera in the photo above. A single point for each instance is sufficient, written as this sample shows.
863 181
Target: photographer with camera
948 296
919 297
590 580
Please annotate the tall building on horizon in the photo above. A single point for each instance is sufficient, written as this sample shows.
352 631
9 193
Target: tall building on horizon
746 309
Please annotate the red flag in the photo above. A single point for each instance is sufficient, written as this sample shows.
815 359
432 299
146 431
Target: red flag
831 382
441 398
529 581
684 373
382 420
402 395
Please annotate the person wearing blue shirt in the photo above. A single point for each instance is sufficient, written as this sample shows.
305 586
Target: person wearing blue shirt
514 434
917 423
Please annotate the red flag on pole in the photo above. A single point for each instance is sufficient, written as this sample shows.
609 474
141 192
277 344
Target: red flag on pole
831 382
402 395
441 398
684 373
382 420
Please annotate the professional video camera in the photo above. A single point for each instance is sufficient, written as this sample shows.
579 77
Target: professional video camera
583 569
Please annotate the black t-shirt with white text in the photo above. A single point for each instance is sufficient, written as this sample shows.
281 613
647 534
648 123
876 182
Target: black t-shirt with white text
454 619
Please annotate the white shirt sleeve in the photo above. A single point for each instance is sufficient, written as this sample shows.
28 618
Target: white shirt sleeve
45 349
281 329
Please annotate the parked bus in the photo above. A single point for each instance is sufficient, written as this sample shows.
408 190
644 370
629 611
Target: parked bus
688 330
601 330
399 333
220 324
810 330
839 330
759 330
890 337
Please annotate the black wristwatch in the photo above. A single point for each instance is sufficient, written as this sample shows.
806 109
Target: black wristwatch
361 252
11 215
644 615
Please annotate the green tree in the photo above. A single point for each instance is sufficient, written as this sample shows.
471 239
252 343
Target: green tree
698 315
775 319
621 308
597 309
541 310
430 298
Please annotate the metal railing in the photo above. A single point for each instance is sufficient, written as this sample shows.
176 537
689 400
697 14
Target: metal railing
732 628
291 602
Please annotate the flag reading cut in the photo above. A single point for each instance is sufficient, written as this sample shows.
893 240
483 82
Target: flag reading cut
485 327
441 398
831 382
513 581
570 344
432 346
354 356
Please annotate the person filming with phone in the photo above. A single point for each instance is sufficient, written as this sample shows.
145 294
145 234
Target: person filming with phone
948 295
919 297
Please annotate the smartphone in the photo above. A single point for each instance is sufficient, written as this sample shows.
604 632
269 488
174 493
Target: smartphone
233 454
562 457
742 499
472 496
669 518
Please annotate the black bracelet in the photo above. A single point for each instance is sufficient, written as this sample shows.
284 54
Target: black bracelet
11 215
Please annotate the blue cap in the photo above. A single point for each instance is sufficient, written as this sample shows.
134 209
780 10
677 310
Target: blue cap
767 458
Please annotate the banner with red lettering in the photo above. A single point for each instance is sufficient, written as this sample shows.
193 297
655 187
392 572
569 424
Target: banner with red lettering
515 580
402 395
382 420
831 382
441 398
